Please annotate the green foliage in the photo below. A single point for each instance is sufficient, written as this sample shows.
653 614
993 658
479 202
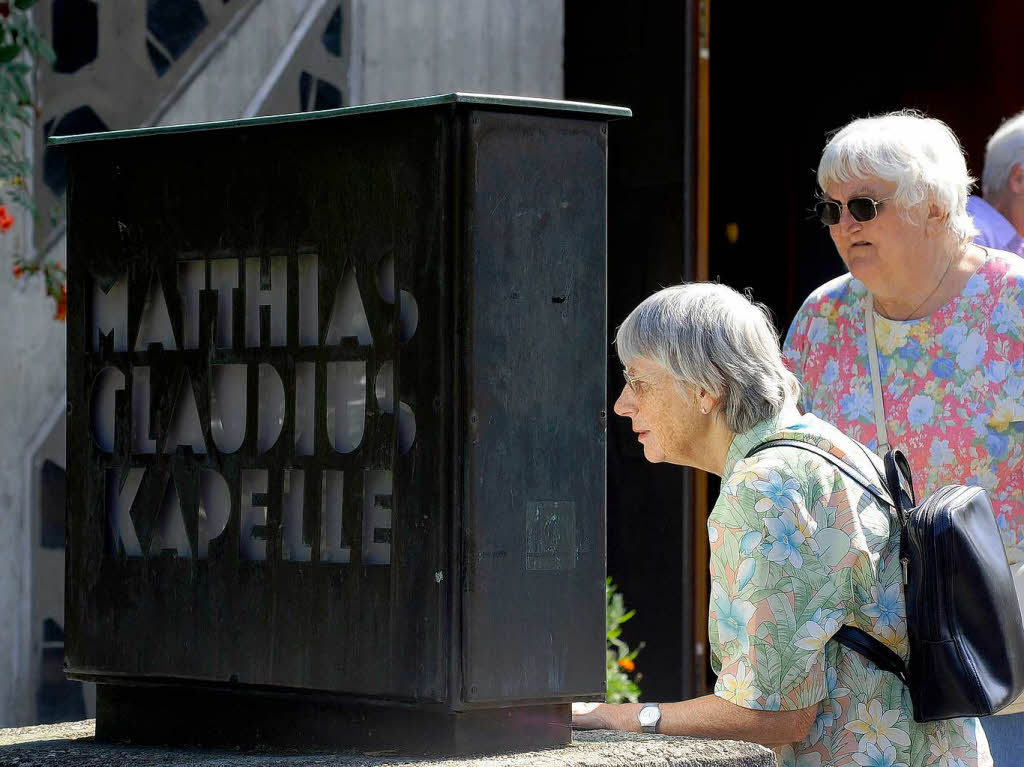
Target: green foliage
20 44
622 687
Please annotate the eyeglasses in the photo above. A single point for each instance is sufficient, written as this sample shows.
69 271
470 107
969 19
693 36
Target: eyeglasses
861 208
632 381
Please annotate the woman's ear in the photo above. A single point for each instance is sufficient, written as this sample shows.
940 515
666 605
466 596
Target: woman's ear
706 402
936 219
1016 181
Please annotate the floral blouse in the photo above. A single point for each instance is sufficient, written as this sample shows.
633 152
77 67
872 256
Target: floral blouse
798 550
952 383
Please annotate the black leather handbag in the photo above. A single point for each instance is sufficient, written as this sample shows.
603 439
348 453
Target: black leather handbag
963 624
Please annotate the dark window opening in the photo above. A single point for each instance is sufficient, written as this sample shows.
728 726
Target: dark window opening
52 492
52 632
315 94
55 163
332 34
75 34
173 26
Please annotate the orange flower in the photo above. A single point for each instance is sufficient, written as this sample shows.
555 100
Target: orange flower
6 220
627 665
17 271
62 304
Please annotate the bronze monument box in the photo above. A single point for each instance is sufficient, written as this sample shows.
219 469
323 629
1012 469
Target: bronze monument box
336 426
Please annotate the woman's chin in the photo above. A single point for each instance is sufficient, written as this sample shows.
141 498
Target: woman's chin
652 454
864 270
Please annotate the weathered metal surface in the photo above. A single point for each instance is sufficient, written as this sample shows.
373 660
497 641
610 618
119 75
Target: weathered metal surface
446 548
469 99
211 718
536 403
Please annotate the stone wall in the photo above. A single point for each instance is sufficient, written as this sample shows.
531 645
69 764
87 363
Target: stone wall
418 48
72 745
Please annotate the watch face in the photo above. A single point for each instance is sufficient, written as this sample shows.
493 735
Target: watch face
649 715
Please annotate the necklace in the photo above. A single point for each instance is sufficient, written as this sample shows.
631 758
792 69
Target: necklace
933 290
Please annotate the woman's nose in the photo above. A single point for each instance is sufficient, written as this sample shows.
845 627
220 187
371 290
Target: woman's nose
625 404
846 219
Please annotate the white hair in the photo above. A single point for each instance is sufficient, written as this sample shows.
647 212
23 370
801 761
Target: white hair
1004 150
711 337
921 155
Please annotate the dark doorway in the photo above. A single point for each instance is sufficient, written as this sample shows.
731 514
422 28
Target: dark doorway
778 87
637 56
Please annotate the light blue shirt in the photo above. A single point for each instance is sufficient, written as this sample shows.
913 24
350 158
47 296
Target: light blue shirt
994 231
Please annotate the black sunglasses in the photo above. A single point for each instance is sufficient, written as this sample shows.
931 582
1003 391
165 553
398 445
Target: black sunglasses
861 208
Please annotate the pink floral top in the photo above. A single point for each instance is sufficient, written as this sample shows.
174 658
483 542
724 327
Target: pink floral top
952 383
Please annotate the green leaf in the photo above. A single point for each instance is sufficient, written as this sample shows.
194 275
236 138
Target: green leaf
24 5
795 670
892 695
826 596
802 593
769 665
9 52
784 617
619 688
833 545
729 550
732 514
21 90
862 682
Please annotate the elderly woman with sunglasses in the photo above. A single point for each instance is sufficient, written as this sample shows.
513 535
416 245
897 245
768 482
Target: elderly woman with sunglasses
921 345
797 548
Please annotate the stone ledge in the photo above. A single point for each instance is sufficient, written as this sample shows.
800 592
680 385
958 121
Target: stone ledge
72 744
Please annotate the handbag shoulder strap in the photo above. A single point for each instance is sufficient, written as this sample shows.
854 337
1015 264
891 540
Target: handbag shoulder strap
880 493
863 643
876 379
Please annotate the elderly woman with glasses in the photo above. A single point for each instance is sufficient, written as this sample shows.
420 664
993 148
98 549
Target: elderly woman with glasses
920 345
797 548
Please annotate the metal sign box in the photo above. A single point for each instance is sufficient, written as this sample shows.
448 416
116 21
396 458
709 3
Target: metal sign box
336 426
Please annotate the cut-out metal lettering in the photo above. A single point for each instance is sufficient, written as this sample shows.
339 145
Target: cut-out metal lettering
155 327
266 285
104 401
110 314
377 504
245 421
224 280
332 519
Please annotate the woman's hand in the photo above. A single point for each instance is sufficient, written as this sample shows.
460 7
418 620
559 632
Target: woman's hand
605 716
705 717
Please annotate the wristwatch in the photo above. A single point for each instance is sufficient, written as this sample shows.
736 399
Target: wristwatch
649 717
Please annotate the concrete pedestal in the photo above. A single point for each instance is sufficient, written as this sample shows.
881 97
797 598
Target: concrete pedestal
72 745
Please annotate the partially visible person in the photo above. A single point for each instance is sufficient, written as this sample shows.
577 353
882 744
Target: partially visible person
999 214
948 318
797 549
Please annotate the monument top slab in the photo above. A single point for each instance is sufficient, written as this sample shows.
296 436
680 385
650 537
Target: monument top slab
481 100
71 745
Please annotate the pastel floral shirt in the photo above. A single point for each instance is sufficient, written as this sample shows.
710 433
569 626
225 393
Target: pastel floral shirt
798 550
952 383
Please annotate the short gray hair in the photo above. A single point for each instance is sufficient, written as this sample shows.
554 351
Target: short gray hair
920 154
713 338
1004 150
